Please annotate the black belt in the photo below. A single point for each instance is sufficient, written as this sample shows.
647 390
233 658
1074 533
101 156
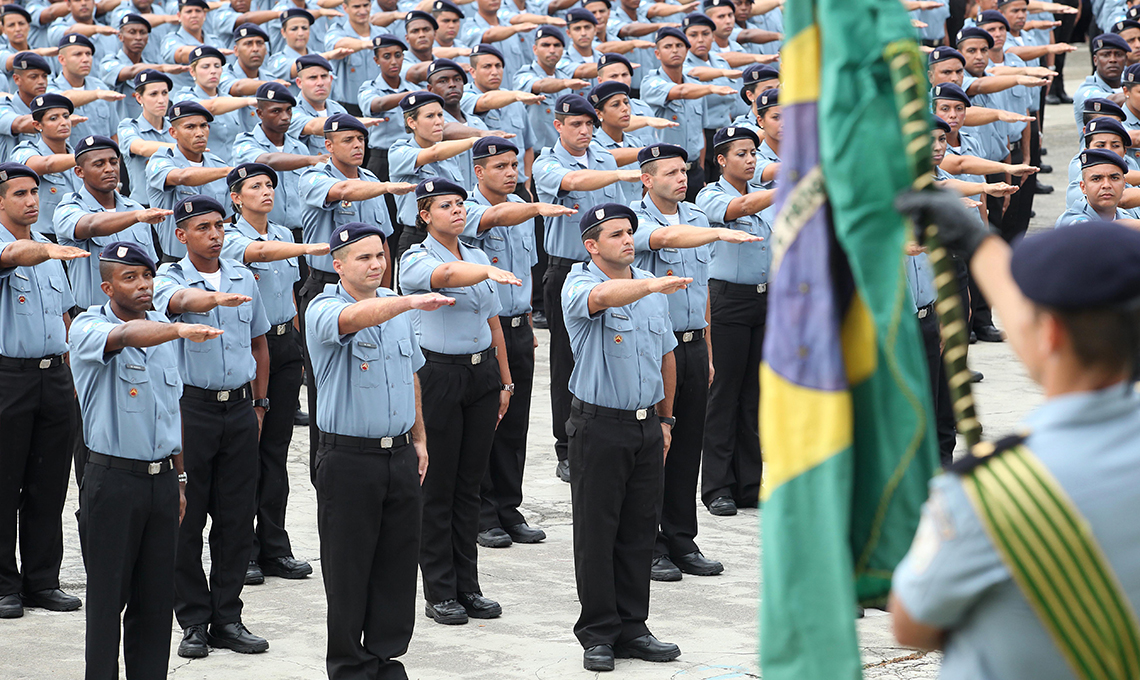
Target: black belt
592 410
564 262
365 442
932 43
322 276
1015 146
150 467
464 359
752 288
413 229
243 393
27 364
280 329
926 311
513 321
690 336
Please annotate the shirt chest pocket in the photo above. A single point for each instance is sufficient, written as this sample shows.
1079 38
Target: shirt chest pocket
657 327
366 364
134 387
618 336
496 248
173 381
53 295
245 316
21 293
672 259
406 349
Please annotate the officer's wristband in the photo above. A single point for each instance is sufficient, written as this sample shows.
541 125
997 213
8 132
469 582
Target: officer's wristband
668 420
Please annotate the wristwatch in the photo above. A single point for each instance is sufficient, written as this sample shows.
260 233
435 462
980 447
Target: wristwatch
182 478
263 403
508 388
669 420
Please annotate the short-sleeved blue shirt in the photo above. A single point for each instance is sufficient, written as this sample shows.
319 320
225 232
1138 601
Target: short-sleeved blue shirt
274 279
319 217
161 196
686 307
32 303
510 248
746 263
562 237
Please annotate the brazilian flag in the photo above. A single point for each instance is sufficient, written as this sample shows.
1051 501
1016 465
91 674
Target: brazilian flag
845 411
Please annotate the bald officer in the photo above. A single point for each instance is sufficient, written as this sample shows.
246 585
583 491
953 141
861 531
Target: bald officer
620 424
372 456
37 401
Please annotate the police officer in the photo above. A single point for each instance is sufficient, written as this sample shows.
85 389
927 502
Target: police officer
708 66
467 388
500 108
548 75
1109 52
672 239
142 136
187 169
612 105
99 103
224 396
372 457
314 80
126 377
575 173
738 304
268 250
36 400
209 90
49 155
620 424
769 118
1070 295
447 79
499 222
380 97
1102 186
30 73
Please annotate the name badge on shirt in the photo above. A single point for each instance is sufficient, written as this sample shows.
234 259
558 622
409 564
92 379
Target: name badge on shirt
620 316
369 345
136 367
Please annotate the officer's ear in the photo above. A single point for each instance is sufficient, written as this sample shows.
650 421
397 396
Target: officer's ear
328 145
558 126
180 234
105 286
591 246
479 172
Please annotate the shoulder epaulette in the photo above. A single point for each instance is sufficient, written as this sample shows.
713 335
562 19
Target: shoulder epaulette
984 452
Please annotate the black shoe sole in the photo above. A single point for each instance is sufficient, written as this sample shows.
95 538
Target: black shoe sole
291 575
502 542
255 580
240 648
452 620
658 657
598 666
713 571
669 577
11 612
194 652
52 608
537 538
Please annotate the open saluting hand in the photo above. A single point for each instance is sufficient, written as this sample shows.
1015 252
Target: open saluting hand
197 332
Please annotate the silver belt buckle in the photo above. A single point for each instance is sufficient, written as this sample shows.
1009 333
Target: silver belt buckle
923 313
476 359
642 413
516 322
385 442
280 329
45 363
761 288
687 336
154 468
223 395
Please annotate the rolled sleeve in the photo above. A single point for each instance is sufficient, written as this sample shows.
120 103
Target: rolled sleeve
164 288
645 229
234 245
88 339
416 267
322 322
315 190
548 176
714 204
655 91
576 298
402 160
65 218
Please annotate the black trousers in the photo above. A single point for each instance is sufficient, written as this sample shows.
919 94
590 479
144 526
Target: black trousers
37 419
561 356
712 170
939 389
410 235
683 465
501 493
614 491
732 461
957 17
696 176
128 525
1062 34
1015 220
461 407
285 363
219 454
368 517
314 286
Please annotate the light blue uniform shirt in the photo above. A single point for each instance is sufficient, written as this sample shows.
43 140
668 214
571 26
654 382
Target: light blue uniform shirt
225 127
689 114
402 168
140 128
686 307
1073 190
1081 211
129 398
249 146
765 156
644 56
516 49
629 191
458 329
617 352
274 279
646 135
108 71
102 117
32 303
231 73
954 579
382 136
466 160
225 362
358 68
510 248
511 118
303 112
541 115
572 59
718 107
366 379
279 65
319 218
992 138
746 263
180 37
161 196
84 273
11 108
1093 86
104 44
920 280
316 31
562 237
53 186
1131 122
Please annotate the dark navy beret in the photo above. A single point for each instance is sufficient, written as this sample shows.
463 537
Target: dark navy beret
728 135
186 109
486 147
438 186
670 31
484 49
661 151
945 54
15 9
1089 266
128 253
195 205
709 4
446 6
194 3
275 92
1130 76
973 32
248 30
768 98
205 52
419 15
1108 107
51 100
605 212
76 40
308 60
756 73
698 19
611 58
1106 125
941 125
247 170
441 65
30 61
992 16
1109 41
94 142
347 234
550 32
580 14
1091 157
414 100
137 19
949 91
10 171
575 105
603 91
294 12
342 122
1124 24
1133 13
149 75
388 40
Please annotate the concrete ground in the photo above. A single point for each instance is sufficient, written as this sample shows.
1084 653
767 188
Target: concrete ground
713 619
